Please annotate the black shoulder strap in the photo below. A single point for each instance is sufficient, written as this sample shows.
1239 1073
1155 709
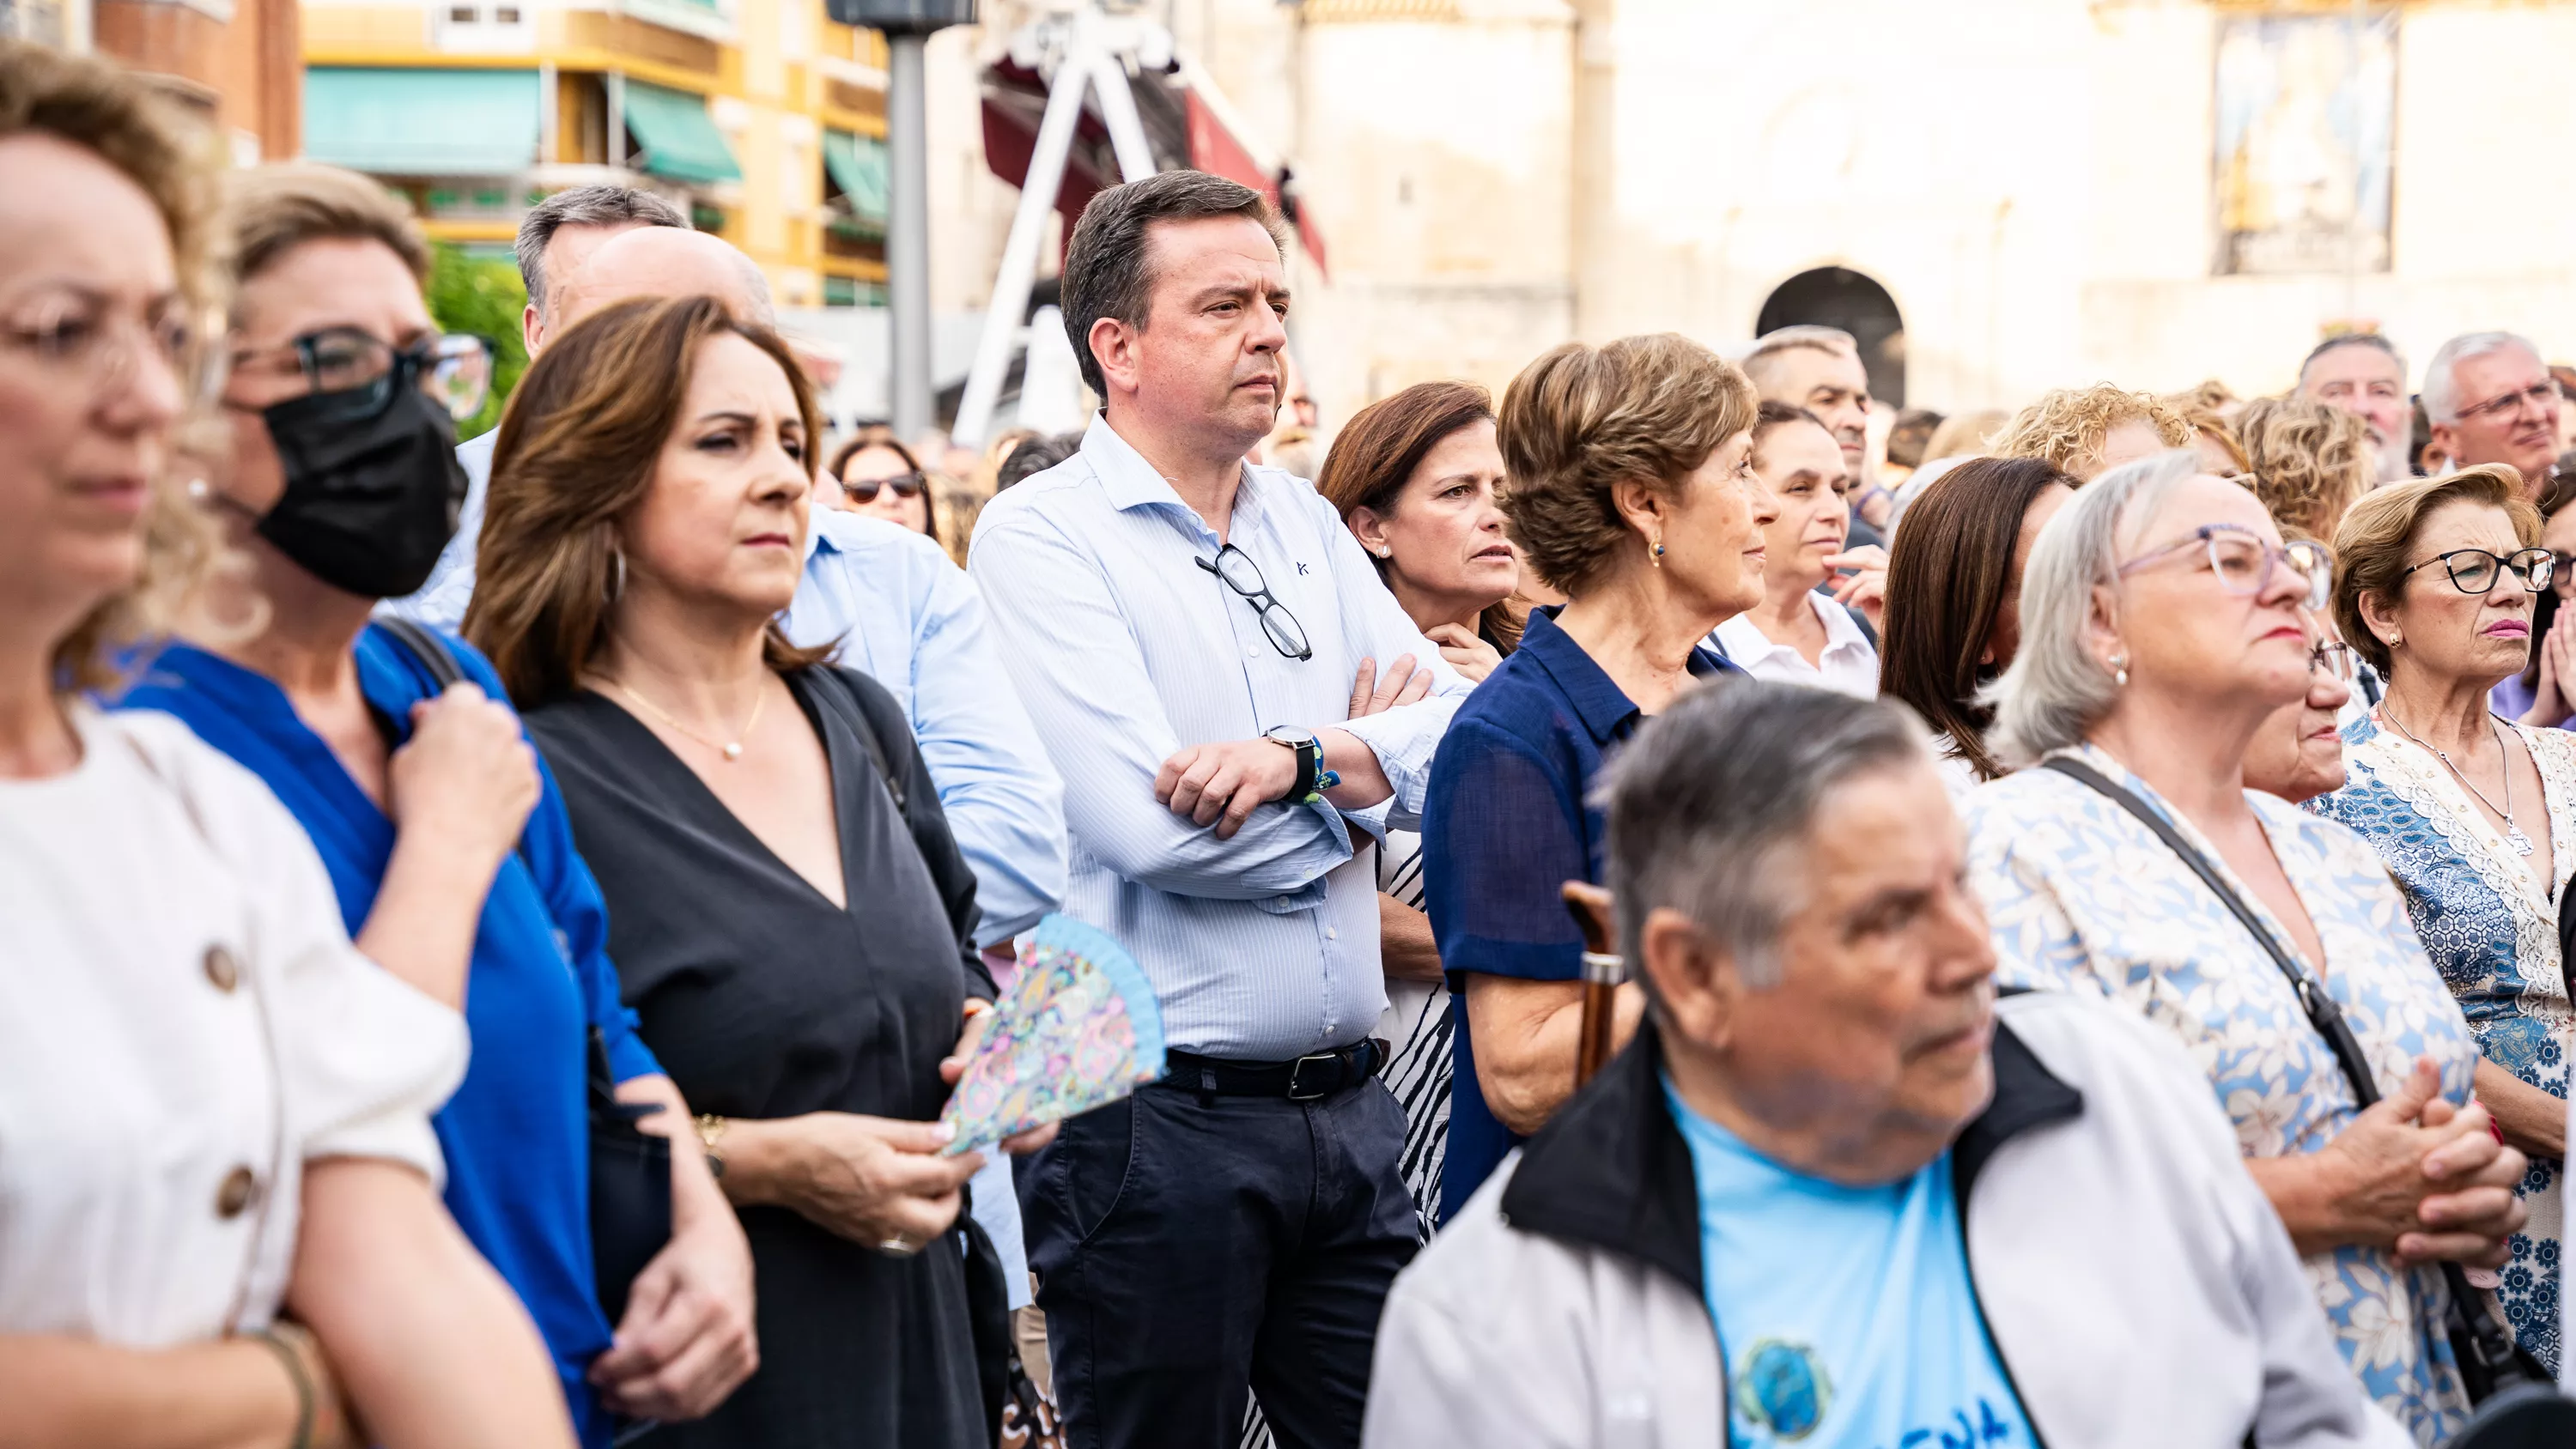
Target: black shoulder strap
2322 1012
443 669
444 673
866 729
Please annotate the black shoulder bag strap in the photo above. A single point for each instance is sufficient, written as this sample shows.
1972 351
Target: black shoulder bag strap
2485 1348
630 1168
866 729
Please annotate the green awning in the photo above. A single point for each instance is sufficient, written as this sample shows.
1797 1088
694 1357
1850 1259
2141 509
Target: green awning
678 139
858 167
421 122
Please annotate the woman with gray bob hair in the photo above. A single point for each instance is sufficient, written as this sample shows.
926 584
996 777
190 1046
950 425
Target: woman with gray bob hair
2057 688
2164 622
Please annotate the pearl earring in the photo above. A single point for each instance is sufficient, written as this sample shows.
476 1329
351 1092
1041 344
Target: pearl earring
2395 638
2120 670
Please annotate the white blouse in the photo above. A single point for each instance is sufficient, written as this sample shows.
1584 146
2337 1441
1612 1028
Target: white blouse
1848 664
183 1024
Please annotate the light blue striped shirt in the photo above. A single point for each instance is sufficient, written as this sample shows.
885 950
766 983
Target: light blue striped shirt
1263 947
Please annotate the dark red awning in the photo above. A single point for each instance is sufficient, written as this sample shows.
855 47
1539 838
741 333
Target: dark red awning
1182 127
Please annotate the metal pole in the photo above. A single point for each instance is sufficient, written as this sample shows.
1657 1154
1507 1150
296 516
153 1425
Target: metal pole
1020 250
908 233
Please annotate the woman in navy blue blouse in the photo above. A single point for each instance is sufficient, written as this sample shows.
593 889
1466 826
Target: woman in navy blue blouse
1632 491
341 490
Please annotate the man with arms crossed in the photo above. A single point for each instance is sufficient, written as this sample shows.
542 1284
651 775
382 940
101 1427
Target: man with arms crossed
1186 630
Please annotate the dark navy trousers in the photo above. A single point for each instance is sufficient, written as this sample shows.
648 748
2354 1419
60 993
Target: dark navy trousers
1189 1248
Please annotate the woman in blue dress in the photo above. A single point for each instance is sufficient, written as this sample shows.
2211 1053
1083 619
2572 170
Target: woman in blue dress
2474 816
342 488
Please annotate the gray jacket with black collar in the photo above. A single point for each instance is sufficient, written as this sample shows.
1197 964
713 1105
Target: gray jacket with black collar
2139 1289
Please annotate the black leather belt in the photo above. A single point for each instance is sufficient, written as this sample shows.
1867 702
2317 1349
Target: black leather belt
1317 1074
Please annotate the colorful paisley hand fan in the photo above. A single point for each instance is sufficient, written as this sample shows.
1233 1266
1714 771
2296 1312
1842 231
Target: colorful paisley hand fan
1078 1029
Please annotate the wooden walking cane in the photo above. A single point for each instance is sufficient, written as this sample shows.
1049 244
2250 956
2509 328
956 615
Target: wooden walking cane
1603 970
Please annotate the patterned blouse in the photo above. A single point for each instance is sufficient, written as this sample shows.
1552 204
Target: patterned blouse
2082 896
2493 934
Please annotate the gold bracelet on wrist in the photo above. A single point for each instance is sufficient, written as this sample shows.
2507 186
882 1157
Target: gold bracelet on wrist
711 1130
276 1338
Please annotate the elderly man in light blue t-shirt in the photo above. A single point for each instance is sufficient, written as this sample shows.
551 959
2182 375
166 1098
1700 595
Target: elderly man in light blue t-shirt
1836 1194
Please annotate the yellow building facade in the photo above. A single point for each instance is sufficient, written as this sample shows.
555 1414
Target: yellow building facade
760 118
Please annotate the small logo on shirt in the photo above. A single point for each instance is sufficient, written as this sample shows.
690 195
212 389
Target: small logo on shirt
1784 1389
1301 567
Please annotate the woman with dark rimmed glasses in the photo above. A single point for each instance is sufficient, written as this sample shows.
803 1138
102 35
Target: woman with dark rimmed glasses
450 853
2474 816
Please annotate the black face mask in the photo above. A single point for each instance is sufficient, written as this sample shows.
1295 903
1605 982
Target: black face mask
372 484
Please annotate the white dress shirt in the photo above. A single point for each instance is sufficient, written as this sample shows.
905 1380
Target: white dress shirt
183 1025
1848 664
1263 947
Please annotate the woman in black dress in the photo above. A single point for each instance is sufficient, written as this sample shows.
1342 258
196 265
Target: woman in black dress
787 910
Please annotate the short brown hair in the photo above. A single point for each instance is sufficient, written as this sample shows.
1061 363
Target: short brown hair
1108 266
576 456
145 137
281 206
1379 448
2310 460
2066 427
2379 531
1580 419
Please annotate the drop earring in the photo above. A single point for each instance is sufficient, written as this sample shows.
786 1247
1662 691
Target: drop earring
2120 670
1658 555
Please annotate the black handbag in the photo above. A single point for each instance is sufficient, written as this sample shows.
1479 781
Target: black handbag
2489 1361
630 1169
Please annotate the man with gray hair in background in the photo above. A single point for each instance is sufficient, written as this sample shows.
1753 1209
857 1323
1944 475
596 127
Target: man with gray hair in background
2490 399
1819 369
2362 373
555 238
1836 1189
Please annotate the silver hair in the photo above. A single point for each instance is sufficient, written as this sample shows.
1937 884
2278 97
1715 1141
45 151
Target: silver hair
600 205
1812 336
2056 689
2442 387
2376 342
1712 808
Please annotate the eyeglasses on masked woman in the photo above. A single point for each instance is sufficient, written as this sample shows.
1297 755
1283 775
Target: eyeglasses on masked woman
455 370
2475 570
2244 564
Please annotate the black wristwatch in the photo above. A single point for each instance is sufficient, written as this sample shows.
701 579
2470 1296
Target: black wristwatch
1312 778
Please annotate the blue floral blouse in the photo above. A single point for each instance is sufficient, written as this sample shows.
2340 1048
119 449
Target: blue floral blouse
2083 897
2492 930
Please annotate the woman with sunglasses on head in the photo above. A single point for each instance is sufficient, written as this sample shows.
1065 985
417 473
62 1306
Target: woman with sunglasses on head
219 1219
875 475
2164 624
2474 816
449 850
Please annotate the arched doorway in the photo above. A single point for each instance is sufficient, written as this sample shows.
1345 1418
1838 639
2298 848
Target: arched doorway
1841 297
